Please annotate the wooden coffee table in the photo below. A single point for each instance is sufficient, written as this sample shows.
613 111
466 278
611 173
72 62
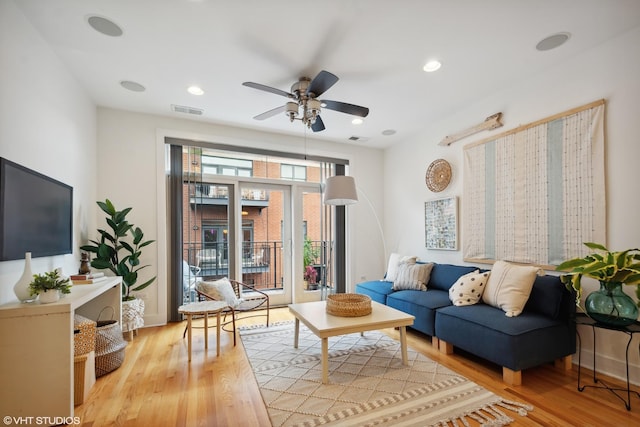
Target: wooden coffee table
323 325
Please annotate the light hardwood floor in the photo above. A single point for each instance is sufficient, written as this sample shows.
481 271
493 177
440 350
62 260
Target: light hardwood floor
157 386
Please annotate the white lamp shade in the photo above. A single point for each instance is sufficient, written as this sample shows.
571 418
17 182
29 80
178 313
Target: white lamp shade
340 190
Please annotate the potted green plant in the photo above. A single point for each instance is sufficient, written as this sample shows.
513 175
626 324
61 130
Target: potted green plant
48 286
612 269
310 254
119 250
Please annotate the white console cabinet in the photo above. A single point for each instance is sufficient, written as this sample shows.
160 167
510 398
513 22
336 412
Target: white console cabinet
36 350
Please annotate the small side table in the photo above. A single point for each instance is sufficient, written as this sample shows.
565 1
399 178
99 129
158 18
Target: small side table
203 308
583 319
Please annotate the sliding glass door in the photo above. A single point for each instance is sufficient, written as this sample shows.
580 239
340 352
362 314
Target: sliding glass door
255 218
265 246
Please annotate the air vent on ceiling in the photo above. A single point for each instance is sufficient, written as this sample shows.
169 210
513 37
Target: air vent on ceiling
358 138
186 110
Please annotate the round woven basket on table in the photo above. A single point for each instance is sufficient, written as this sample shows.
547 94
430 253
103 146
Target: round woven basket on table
348 305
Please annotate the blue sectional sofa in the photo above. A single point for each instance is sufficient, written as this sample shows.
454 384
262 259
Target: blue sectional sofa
542 333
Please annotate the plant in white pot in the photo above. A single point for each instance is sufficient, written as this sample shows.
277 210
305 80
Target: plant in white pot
119 250
49 286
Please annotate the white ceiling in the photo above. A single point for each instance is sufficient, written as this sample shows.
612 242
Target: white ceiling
376 47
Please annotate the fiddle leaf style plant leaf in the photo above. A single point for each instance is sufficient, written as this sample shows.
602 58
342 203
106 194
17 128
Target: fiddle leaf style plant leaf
119 249
608 267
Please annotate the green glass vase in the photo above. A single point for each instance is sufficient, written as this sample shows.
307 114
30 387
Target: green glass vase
611 306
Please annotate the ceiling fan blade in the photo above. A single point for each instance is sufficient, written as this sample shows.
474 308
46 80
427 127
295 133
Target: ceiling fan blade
271 113
343 107
321 83
318 125
268 89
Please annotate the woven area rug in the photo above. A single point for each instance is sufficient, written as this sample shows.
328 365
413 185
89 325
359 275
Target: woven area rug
368 385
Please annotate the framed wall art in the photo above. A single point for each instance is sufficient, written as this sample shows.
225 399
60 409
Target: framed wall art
441 224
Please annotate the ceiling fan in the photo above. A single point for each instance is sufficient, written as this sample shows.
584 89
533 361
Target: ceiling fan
304 95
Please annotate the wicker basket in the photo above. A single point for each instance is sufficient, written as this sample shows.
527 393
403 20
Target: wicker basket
348 305
110 346
84 340
84 376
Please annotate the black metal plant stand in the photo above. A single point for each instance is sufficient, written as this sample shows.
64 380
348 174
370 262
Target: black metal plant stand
583 319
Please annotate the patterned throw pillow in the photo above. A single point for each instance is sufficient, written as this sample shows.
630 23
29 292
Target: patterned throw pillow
468 288
394 263
412 276
220 290
509 286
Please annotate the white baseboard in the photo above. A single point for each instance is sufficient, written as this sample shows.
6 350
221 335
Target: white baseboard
609 366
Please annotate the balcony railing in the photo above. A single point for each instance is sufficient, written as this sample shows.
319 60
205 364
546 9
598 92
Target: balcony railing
212 191
262 264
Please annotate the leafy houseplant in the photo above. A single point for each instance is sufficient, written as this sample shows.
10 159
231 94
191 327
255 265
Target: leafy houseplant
611 269
310 255
49 281
119 249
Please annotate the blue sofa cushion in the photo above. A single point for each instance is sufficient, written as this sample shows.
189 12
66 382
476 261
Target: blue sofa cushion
422 305
376 289
520 342
546 296
443 276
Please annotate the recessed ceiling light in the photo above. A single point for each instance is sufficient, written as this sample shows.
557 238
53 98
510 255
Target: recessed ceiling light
432 66
104 26
133 86
357 121
553 41
195 90
388 132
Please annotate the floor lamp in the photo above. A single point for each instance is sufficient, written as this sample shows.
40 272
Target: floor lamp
341 190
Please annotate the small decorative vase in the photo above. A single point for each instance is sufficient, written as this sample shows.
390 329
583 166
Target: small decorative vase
21 288
611 306
46 297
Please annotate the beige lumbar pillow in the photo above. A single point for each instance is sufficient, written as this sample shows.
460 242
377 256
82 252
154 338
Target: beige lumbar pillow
509 286
220 290
412 277
394 263
468 289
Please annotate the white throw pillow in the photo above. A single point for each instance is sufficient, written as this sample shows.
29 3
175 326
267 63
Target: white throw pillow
509 286
412 276
468 289
394 262
220 290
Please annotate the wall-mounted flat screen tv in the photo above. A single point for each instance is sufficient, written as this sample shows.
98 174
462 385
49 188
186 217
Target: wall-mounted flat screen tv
36 213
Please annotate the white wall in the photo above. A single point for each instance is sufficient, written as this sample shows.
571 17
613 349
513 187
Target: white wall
131 171
609 71
47 123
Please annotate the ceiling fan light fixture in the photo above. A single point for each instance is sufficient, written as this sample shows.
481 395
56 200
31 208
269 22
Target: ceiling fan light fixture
305 93
291 110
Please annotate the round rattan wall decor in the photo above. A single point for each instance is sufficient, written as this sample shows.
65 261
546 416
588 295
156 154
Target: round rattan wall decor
438 175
